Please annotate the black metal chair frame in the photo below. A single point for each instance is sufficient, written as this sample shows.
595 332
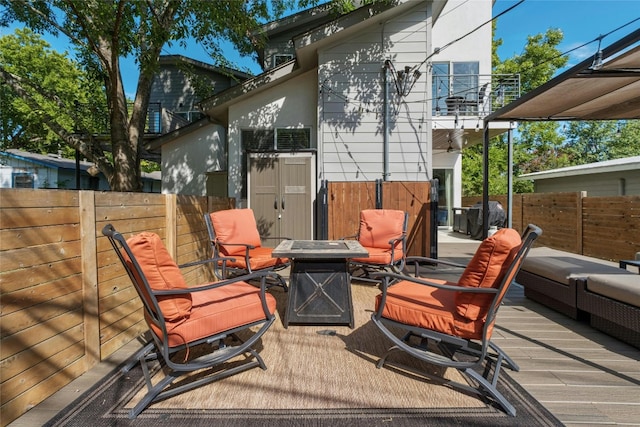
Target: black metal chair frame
224 346
222 271
480 360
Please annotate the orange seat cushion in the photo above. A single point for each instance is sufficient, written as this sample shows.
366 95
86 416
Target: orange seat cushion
235 226
379 226
429 308
485 270
259 258
217 310
161 273
380 256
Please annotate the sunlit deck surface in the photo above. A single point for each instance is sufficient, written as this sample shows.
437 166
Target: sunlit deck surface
584 377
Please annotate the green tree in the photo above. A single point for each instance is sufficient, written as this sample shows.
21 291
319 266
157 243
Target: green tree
534 144
103 32
44 72
595 141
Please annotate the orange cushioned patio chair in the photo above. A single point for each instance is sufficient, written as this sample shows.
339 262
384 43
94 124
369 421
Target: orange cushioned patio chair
383 233
234 234
193 328
449 324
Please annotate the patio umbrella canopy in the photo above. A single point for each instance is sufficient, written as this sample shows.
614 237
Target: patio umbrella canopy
605 87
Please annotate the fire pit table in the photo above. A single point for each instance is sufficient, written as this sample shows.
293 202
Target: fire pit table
319 283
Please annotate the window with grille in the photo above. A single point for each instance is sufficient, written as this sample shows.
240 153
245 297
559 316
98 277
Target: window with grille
282 139
258 139
23 180
293 139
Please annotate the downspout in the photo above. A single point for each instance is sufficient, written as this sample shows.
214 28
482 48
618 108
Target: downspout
485 183
510 179
385 173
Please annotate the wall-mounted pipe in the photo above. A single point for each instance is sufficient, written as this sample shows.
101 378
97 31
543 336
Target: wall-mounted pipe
387 81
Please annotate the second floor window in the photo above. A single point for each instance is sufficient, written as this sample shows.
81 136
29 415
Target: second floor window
454 79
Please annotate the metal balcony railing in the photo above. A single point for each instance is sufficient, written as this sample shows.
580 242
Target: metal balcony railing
473 94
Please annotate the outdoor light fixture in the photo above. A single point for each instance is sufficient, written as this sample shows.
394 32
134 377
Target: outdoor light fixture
404 79
597 61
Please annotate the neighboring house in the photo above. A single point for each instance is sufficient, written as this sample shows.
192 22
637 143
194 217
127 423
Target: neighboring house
387 92
180 84
617 177
22 169
175 92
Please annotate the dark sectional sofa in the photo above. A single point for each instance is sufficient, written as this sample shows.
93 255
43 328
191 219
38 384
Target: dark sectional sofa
585 288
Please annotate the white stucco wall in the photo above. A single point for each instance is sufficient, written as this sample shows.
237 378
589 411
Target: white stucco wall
186 161
457 19
288 105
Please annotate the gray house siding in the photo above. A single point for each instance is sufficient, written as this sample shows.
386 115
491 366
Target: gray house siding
352 109
603 184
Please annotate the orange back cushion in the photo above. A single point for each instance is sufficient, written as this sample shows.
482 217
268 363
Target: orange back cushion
235 226
162 273
378 226
487 267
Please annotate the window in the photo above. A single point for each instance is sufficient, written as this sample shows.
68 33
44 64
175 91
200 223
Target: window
453 79
23 180
282 139
190 116
257 140
293 139
281 59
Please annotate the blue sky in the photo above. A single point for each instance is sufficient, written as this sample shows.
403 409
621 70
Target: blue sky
581 21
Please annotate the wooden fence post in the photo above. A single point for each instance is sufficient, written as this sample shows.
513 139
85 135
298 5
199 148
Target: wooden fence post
91 315
171 212
580 221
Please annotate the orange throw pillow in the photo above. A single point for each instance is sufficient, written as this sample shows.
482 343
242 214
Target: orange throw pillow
486 269
162 273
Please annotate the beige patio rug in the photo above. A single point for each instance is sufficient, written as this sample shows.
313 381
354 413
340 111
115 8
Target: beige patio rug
316 375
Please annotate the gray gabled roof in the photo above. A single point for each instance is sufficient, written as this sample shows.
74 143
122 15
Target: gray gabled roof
54 161
225 71
616 165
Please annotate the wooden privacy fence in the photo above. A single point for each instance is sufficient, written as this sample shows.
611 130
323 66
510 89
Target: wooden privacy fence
347 199
600 227
67 304
66 301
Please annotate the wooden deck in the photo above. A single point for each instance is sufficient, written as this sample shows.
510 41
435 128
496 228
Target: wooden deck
584 377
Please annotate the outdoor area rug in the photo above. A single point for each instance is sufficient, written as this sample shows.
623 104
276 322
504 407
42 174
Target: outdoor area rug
316 376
